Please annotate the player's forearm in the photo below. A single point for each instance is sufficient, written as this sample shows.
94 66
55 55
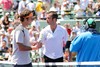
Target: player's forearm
28 48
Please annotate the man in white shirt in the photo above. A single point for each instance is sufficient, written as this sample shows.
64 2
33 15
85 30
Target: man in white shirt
21 41
53 38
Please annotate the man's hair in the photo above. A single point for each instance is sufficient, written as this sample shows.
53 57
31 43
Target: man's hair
24 13
53 14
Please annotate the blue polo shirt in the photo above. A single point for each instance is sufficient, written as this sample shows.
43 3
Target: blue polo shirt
87 47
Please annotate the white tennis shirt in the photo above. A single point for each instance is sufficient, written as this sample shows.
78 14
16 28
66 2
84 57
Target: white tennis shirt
21 57
53 41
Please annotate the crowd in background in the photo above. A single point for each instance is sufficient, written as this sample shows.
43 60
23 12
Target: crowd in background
78 8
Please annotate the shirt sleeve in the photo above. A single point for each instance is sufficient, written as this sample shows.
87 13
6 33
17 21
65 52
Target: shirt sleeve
19 36
41 37
76 44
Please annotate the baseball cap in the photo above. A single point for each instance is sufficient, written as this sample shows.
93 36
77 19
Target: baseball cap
91 23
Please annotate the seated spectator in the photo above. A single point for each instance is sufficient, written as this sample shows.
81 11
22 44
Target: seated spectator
30 6
9 55
36 23
43 15
78 10
21 6
39 8
98 12
5 22
55 8
9 34
16 21
89 10
3 37
3 50
3 47
7 4
15 6
96 6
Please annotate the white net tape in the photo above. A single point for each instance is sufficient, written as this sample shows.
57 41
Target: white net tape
63 64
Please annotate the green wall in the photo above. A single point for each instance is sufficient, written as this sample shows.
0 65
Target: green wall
62 22
72 22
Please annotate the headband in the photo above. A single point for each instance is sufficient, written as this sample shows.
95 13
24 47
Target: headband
30 15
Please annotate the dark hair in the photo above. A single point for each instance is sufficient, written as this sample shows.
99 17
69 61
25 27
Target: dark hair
53 14
24 13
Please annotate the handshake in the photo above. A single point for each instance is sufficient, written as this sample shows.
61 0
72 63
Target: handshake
36 45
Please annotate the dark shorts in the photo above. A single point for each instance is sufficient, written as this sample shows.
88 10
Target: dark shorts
25 65
47 59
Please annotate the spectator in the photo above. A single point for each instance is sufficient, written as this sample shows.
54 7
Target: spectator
16 21
77 28
36 23
73 35
78 10
89 10
9 34
3 37
39 6
65 5
30 6
55 8
15 6
47 4
7 4
3 49
43 15
32 31
68 29
84 4
86 44
5 21
96 6
21 6
98 12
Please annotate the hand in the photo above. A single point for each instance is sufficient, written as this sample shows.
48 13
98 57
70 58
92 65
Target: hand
36 46
34 43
